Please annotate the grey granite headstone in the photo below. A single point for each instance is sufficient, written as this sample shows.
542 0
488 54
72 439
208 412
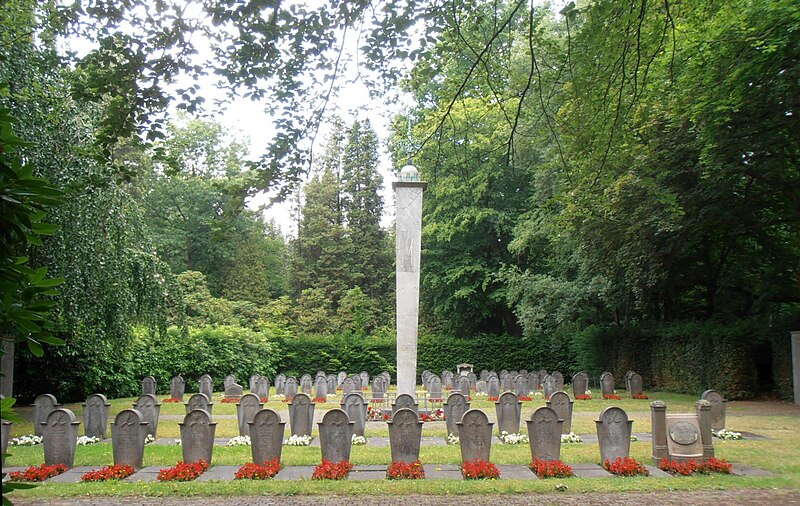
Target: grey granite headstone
128 432
290 387
306 384
484 375
321 388
364 379
207 386
348 386
340 378
253 380
542 374
607 383
42 406
331 378
562 405
533 380
6 436
435 388
628 380
355 407
301 415
473 379
464 385
454 408
60 435
199 401
378 388
246 409
509 411
234 391
262 387
280 383
150 409
95 416
229 380
405 436
197 436
475 436
614 434
481 387
580 383
717 408
684 441
521 386
149 385
544 434
335 436
177 387
506 382
635 386
447 379
559 381
266 436
493 387
404 401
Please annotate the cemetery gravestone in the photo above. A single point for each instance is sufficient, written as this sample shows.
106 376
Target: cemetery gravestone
544 434
356 409
59 437
280 383
150 409
364 379
404 401
199 401
229 380
177 387
607 384
484 375
473 378
305 384
234 391
549 386
493 387
149 385
506 382
301 415
562 405
378 389
635 386
580 383
341 377
290 387
197 436
475 436
6 435
455 407
357 382
266 436
262 387
435 388
253 380
481 387
684 442
207 386
558 378
533 380
509 410
246 409
521 386
348 386
128 432
335 436
95 416
405 436
42 406
331 383
717 408
321 388
464 385
628 381
542 374
614 434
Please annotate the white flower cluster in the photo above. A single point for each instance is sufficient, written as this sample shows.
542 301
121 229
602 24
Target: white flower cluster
571 438
452 439
588 392
29 440
239 441
480 394
513 439
149 439
538 394
634 438
87 440
279 397
358 440
297 440
331 396
179 442
727 434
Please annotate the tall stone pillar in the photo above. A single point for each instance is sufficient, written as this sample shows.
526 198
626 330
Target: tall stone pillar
703 410
7 367
408 233
658 422
796 365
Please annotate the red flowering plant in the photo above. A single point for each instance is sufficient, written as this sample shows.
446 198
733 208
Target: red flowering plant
332 471
550 469
713 465
115 472
253 471
183 471
692 466
229 400
479 470
639 396
435 416
525 398
319 400
39 473
625 466
611 397
584 397
406 471
264 399
170 400
493 399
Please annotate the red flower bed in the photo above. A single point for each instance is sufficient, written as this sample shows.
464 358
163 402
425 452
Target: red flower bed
183 472
479 470
252 471
332 471
376 401
365 389
525 398
404 471
551 469
448 388
169 400
584 397
625 466
39 473
286 400
689 468
115 472
319 399
229 400
639 396
611 397
264 399
493 399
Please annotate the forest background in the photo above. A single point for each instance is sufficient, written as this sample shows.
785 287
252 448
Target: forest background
612 186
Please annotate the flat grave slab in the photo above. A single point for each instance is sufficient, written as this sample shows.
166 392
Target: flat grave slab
515 472
73 475
749 435
219 473
745 470
145 474
584 470
657 473
295 473
360 473
442 472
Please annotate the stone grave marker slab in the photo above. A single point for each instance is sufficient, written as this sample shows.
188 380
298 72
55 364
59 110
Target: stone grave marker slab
405 435
95 416
197 436
150 409
544 434
128 432
614 434
335 436
43 405
199 401
246 409
266 436
475 435
301 415
509 411
60 434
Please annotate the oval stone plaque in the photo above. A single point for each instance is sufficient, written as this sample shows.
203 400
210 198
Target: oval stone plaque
684 433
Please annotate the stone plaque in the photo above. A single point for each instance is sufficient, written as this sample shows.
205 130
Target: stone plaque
717 408
335 436
684 433
405 436
544 434
683 437
266 436
614 434
246 409
197 436
95 416
301 415
128 432
42 406
60 434
509 411
356 409
150 409
199 401
562 405
454 408
475 435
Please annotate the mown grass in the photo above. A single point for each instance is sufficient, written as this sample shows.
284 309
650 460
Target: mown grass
778 455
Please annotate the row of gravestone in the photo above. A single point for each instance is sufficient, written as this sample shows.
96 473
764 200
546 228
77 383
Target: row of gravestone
259 385
327 384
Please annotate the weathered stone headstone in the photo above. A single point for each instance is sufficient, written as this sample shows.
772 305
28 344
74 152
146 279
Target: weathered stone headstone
335 436
197 436
464 385
43 405
481 387
658 424
357 382
348 386
447 379
280 383
404 401
549 385
473 379
509 411
493 387
562 405
177 387
305 384
262 387
435 388
378 389
266 436
580 383
355 407
475 436
484 375
149 385
405 436
207 386
234 391
533 380
544 434
364 379
542 374
150 409
6 436
290 387
635 385
128 432
246 409
340 378
717 408
558 378
506 382
301 415
628 381
607 383
253 381
199 401
703 411
331 383
321 388
454 408
95 416
684 442
521 386
614 434
229 380
59 436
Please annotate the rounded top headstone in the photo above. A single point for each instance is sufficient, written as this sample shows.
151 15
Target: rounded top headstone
336 417
266 416
404 416
128 417
544 414
613 414
197 417
473 417
61 416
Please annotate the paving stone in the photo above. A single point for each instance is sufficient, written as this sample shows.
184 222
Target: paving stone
590 471
360 473
745 470
295 473
750 435
14 469
73 475
146 474
442 471
219 473
515 472
657 473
